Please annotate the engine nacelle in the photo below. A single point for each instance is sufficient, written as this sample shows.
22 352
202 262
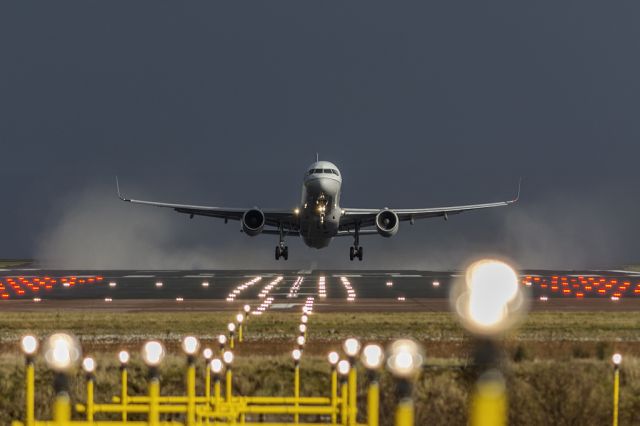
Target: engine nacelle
387 223
253 222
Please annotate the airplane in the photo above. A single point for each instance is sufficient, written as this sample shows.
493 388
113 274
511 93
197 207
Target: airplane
319 217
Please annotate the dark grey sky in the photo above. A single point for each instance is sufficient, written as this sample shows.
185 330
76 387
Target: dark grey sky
419 104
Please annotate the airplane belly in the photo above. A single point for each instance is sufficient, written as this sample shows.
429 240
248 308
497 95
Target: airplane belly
316 234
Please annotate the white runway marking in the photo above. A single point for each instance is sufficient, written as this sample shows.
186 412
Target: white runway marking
199 276
348 276
138 276
406 276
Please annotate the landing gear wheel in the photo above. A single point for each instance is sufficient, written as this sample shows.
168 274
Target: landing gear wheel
360 254
278 252
285 253
351 253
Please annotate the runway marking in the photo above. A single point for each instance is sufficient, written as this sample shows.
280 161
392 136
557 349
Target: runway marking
283 305
139 276
198 276
406 276
347 276
630 273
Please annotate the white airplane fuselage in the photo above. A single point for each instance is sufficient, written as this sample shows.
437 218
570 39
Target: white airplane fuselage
319 211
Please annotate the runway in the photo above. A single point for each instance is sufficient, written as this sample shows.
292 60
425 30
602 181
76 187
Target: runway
138 290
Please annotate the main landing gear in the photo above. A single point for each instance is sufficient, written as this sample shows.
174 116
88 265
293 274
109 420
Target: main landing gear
356 249
281 249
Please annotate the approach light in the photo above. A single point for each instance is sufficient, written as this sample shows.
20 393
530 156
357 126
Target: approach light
246 309
351 347
300 341
302 328
29 344
216 366
227 357
123 357
222 339
617 359
372 357
62 352
343 367
190 345
296 354
231 327
304 318
207 353
88 365
333 358
490 300
405 358
152 353
239 318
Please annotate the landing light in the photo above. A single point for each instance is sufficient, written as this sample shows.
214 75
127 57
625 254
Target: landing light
29 344
153 353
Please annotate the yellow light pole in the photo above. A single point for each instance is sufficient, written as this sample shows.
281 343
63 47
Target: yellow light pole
404 360
216 368
123 357
207 354
222 341
333 361
617 359
343 371
239 320
29 347
153 354
232 332
190 346
62 353
228 360
351 348
296 355
372 358
89 367
489 301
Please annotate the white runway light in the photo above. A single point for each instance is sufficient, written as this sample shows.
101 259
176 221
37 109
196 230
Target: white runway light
112 284
159 284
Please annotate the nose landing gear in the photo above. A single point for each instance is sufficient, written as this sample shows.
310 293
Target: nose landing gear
281 249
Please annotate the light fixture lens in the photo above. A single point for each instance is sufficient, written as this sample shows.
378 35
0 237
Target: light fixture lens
29 344
123 357
190 345
343 367
88 365
207 353
333 358
153 353
302 328
300 340
351 347
231 327
227 357
405 359
617 359
62 352
246 308
296 354
304 319
239 318
222 339
372 356
216 366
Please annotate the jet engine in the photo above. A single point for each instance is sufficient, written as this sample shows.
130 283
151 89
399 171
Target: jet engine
387 223
253 222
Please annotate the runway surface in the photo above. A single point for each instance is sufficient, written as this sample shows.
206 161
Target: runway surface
135 290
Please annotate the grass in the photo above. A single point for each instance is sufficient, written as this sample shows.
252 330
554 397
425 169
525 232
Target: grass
557 364
10 263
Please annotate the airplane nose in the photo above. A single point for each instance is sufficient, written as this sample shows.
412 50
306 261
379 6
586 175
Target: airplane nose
325 185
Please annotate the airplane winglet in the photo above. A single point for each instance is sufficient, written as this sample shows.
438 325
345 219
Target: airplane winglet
518 194
118 190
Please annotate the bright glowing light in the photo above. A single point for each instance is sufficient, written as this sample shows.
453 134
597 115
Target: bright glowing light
227 357
159 284
333 358
296 354
300 340
207 353
222 339
123 357
343 367
231 327
351 347
239 318
405 358
153 353
304 319
205 284
372 356
617 359
491 298
190 345
62 352
112 284
216 366
302 328
88 365
246 309
29 344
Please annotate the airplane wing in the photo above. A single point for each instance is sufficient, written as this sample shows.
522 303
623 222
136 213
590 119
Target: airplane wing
274 218
366 217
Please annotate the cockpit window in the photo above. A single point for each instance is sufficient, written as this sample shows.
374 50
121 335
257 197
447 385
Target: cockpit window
329 171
